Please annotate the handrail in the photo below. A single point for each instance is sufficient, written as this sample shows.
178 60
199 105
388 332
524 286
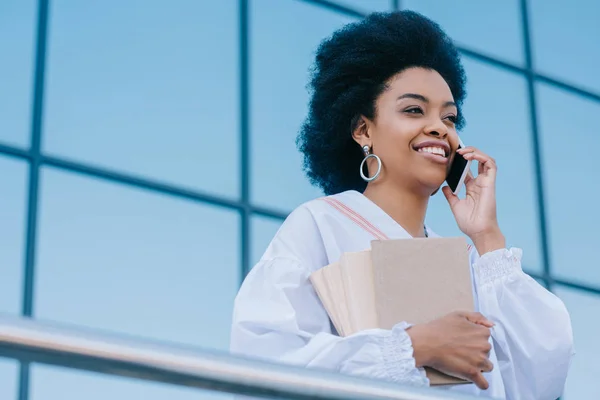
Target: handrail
75 347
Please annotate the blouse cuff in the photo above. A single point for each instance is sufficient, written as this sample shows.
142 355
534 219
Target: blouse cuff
399 359
497 265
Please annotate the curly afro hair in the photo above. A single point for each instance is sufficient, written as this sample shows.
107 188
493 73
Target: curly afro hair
350 72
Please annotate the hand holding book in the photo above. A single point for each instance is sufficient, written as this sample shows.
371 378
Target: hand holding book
456 344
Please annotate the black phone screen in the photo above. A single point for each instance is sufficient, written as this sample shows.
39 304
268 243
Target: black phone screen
456 171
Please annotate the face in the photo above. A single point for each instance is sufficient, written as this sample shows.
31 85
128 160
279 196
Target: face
413 131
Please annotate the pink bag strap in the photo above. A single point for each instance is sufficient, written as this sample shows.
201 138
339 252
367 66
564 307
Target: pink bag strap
360 220
356 218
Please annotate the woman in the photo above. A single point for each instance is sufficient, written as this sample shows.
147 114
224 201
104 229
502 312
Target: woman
392 85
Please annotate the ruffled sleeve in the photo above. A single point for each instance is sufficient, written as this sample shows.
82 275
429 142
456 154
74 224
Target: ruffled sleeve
532 337
278 317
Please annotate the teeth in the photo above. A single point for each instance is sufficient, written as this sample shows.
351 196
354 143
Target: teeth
434 150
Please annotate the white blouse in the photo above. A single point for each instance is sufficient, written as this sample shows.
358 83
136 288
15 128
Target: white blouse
278 316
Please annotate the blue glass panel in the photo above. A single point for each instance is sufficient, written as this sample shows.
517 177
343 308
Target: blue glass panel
17 50
570 141
147 88
489 27
565 40
121 259
9 374
366 6
13 203
50 383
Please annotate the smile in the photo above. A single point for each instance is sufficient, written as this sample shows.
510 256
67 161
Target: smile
436 151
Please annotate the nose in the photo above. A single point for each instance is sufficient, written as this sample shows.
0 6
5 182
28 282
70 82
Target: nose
437 129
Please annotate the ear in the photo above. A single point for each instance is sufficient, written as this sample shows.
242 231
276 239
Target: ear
361 131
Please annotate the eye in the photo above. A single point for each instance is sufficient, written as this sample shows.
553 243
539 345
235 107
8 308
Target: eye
414 110
451 118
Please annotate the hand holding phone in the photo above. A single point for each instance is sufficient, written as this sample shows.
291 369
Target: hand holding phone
476 213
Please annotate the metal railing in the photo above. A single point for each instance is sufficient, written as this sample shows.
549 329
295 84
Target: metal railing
74 347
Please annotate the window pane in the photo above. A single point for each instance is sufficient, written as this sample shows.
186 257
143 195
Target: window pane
17 49
366 5
497 116
489 27
288 31
571 52
13 201
263 229
147 88
51 383
570 144
9 375
583 381
127 260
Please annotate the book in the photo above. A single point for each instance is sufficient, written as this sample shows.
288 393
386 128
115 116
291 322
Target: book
414 280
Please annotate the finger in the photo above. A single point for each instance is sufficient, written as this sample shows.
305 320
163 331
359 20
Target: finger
475 317
476 155
480 381
487 348
468 149
486 323
487 366
451 197
490 167
479 156
469 177
486 163
478 318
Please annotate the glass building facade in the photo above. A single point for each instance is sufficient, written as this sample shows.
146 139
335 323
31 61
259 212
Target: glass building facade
147 157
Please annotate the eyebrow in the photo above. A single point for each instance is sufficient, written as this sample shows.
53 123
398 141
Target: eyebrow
423 99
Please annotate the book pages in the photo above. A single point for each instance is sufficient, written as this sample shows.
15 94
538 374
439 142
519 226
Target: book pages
357 275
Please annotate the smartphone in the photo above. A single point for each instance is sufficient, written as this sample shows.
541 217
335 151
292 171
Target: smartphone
458 171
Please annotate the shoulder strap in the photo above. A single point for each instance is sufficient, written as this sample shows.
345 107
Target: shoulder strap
356 218
360 220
